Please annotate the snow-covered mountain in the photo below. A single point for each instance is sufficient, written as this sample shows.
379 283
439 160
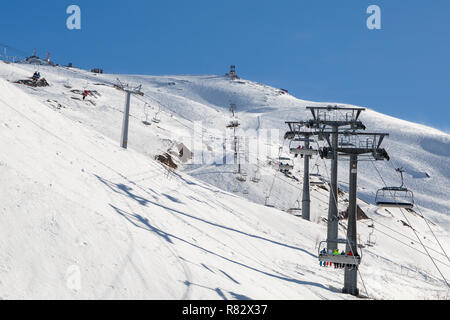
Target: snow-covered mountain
83 218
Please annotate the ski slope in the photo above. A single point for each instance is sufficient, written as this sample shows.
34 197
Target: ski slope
74 204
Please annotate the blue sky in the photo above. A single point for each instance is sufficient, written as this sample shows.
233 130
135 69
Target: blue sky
318 50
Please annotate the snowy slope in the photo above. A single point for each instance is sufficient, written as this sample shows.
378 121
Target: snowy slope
72 197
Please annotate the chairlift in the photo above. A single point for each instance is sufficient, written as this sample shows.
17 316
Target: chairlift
146 122
296 211
266 203
372 240
326 255
245 191
157 119
241 178
256 177
233 124
319 181
300 149
395 197
285 164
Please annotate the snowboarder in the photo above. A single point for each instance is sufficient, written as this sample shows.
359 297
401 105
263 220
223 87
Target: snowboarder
85 94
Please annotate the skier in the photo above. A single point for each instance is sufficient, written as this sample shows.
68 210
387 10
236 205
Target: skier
85 94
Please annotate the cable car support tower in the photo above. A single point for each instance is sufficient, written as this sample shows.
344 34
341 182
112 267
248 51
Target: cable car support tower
126 115
354 145
337 119
299 134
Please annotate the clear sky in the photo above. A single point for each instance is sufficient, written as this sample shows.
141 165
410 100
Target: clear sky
318 50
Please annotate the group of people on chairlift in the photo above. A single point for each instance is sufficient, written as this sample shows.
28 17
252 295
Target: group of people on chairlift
301 148
330 252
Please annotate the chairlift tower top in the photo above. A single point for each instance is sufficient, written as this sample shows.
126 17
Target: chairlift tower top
336 117
356 143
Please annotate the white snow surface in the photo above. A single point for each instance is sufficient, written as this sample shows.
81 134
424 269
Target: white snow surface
82 218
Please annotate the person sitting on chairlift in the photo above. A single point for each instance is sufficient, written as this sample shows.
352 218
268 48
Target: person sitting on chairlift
323 252
336 253
342 254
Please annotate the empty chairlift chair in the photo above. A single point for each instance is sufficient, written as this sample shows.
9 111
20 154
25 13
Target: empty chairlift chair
316 178
242 177
256 177
146 115
267 204
156 118
395 197
296 211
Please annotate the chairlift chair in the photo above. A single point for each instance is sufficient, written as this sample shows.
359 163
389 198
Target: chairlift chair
395 197
296 211
233 124
371 241
266 203
319 181
156 119
146 122
285 164
301 149
256 177
325 256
